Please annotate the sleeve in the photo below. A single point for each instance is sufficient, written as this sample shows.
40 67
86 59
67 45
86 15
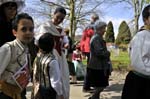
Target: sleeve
140 53
98 48
55 77
65 40
5 56
90 33
35 71
74 56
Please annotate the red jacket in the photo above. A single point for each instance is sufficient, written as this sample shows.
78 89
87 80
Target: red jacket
85 41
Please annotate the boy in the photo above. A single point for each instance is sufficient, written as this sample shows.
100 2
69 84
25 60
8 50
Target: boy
46 72
14 55
137 81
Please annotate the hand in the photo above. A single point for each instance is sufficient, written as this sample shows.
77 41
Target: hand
61 97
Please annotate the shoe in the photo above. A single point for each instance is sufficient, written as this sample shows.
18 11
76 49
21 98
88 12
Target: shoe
88 90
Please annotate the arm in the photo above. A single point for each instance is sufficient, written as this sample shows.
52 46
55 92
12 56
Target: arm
65 41
90 32
98 48
55 77
5 57
140 53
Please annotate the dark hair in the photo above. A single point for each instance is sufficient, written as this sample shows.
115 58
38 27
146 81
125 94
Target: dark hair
2 13
46 42
67 31
146 12
18 18
60 9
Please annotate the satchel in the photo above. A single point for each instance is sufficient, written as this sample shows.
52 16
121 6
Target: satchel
7 88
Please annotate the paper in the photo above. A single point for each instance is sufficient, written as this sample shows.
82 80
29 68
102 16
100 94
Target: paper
22 76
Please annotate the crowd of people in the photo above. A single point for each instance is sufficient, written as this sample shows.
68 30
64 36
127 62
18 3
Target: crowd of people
51 61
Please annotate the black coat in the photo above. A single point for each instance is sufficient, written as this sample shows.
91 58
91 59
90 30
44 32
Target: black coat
99 55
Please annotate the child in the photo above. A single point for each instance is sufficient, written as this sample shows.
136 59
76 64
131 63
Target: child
54 28
46 70
13 57
71 70
77 59
137 82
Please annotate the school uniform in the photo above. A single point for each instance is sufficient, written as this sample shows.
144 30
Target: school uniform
47 73
13 56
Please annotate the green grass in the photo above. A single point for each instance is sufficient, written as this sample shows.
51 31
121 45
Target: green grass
120 61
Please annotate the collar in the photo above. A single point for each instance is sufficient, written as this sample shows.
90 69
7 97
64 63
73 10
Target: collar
146 27
20 45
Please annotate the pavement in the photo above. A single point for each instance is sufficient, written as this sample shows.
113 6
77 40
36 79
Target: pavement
113 91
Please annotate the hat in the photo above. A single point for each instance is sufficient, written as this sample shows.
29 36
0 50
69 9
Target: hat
20 3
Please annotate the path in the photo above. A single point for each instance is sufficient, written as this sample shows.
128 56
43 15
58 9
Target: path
111 92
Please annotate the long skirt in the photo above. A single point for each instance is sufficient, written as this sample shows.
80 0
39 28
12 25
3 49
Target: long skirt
136 87
97 78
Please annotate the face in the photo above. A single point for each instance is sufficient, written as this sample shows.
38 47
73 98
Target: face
147 21
10 10
93 19
58 18
25 31
101 30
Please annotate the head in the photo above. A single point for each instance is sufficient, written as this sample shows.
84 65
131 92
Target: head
94 17
46 43
8 10
23 28
77 47
100 27
66 31
59 15
146 15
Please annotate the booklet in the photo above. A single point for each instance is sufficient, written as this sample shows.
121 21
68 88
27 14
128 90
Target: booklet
22 76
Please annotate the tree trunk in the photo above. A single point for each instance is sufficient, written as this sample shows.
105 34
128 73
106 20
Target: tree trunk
72 5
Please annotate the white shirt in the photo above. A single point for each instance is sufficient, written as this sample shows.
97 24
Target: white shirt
55 77
140 52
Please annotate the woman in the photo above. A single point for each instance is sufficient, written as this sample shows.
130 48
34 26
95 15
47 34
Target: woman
99 67
54 28
8 10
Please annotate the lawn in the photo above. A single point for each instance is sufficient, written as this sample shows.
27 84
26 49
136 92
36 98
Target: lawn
120 61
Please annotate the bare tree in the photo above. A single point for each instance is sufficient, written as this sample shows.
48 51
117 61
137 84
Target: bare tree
78 11
137 6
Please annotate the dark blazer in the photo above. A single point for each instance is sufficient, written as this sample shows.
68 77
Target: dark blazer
99 55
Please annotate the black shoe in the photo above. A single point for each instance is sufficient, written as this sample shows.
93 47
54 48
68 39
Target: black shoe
88 91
